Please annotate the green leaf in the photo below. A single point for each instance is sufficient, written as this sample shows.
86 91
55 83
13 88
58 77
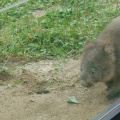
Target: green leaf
73 100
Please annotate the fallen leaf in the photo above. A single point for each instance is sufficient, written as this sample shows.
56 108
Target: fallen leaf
73 100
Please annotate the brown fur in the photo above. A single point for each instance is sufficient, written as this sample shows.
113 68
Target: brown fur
100 61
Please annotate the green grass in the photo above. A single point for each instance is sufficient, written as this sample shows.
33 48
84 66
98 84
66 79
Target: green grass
59 33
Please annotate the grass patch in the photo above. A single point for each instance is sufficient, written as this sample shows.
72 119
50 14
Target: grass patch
16 83
58 33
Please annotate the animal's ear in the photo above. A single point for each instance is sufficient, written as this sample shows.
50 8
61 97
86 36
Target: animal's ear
108 48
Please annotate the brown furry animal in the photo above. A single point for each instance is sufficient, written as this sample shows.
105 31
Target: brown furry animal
100 61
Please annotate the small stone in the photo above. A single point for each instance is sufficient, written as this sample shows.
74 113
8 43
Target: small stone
42 91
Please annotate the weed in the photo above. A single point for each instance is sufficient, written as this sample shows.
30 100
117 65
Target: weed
3 68
59 66
1 82
15 83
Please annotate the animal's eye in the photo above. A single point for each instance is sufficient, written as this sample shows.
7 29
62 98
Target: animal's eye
93 71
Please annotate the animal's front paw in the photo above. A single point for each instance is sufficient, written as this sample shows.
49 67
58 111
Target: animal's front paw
111 94
109 84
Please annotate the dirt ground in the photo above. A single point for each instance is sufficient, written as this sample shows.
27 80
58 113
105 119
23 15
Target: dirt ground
57 80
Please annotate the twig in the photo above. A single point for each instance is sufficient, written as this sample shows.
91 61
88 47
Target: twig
13 5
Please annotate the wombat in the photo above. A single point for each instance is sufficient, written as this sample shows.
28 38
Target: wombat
100 61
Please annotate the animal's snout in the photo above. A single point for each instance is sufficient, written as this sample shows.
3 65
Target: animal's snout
85 84
83 77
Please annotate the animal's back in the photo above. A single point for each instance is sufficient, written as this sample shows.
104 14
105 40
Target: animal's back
111 36
111 33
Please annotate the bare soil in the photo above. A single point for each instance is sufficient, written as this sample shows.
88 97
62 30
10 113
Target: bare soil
21 98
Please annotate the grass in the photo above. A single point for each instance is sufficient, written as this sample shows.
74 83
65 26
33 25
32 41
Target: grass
58 33
15 83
